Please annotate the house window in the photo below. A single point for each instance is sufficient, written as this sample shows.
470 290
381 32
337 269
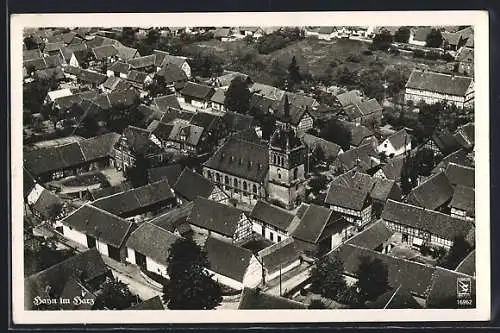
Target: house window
254 188
245 187
295 173
209 175
217 177
274 159
235 184
226 181
279 238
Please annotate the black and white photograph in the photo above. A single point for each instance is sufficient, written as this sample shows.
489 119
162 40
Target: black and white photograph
231 163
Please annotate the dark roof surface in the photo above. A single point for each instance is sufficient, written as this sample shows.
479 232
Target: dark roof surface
153 303
214 216
433 193
345 197
190 185
464 199
460 175
438 82
251 299
372 236
227 259
164 103
312 223
198 91
271 215
169 172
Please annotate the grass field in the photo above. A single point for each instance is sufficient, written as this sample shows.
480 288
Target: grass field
315 56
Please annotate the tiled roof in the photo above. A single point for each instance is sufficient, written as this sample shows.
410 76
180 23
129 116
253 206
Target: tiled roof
215 216
415 276
107 191
163 58
91 76
399 298
66 102
459 157
439 82
45 203
104 51
460 175
139 142
468 265
399 139
252 299
44 160
345 197
242 159
238 122
49 47
348 98
329 149
87 265
435 223
123 203
464 199
153 303
443 292
142 62
198 91
48 73
172 219
271 215
433 193
31 54
100 224
126 53
312 223
227 259
98 146
152 241
446 143
164 103
372 237
364 156
114 82
137 76
193 134
120 67
219 96
172 73
283 253
169 172
190 185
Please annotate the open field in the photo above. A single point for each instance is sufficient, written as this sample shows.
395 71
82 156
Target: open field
313 56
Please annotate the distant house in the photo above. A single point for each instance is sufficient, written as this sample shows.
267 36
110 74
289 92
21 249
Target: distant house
327 33
52 49
279 258
443 144
329 149
104 55
434 193
164 103
191 185
217 220
350 97
175 78
396 144
418 36
119 69
139 80
81 275
368 113
365 158
91 79
42 202
196 94
126 53
144 63
93 227
256 299
114 83
463 203
376 236
224 34
218 100
169 172
298 115
317 230
417 226
231 265
154 303
433 87
163 60
149 247
354 205
54 94
144 200
135 142
460 157
270 221
182 135
255 32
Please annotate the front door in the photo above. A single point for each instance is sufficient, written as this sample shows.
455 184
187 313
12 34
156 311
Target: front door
140 260
114 253
91 242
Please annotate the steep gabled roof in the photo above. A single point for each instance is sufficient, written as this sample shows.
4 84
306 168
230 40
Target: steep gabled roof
372 237
190 185
464 199
196 90
104 51
460 175
227 259
253 299
214 216
99 224
271 215
312 223
432 193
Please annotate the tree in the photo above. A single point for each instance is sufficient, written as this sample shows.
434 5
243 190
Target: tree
318 183
238 96
293 72
428 116
206 65
409 175
372 278
434 38
115 296
30 43
402 35
34 93
344 76
138 174
158 87
382 41
54 210
128 37
458 251
334 131
371 82
191 287
327 277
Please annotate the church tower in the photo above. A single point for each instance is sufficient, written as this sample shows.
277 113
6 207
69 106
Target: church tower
287 154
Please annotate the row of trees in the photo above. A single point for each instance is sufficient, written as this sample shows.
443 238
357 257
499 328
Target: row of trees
384 39
278 40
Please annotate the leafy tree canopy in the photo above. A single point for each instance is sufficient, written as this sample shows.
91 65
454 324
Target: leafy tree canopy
238 96
402 35
372 278
115 296
327 277
434 38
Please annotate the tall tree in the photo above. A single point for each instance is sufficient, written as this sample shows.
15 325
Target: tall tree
30 43
402 35
372 278
434 38
382 41
293 72
128 37
327 277
334 131
458 251
138 174
191 287
409 175
238 96
115 296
